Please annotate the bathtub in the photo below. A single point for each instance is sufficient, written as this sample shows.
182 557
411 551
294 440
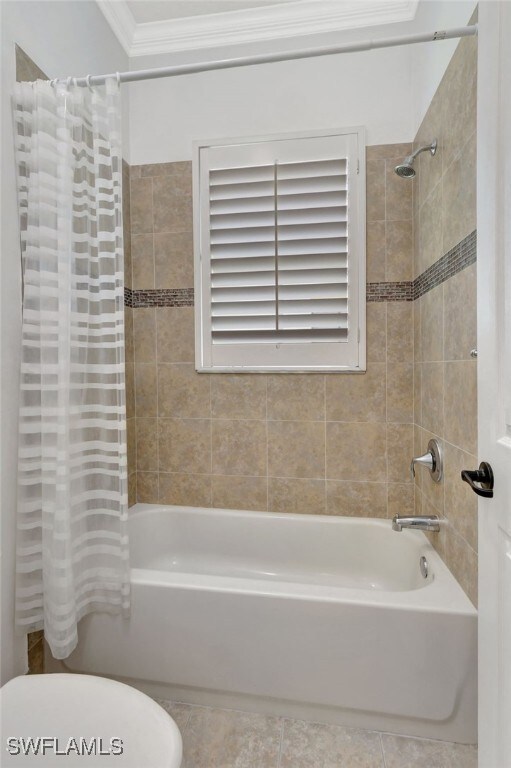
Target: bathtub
325 618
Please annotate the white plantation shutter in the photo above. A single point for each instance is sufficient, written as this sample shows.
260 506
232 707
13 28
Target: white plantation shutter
279 256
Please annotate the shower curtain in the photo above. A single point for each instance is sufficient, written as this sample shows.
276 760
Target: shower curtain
72 544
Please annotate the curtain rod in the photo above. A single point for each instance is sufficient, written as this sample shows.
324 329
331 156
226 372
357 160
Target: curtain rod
245 61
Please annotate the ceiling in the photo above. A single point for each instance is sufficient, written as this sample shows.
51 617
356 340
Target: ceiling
144 11
148 27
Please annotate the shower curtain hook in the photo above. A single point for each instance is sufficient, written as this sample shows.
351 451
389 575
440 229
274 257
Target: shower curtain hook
89 86
118 76
69 81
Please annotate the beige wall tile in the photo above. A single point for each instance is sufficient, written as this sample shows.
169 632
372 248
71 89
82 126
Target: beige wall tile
128 335
181 169
432 331
419 447
172 207
185 446
239 447
400 452
451 214
417 393
431 167
147 487
399 251
430 231
375 252
129 372
144 334
296 496
141 206
400 392
236 492
357 397
295 396
132 489
296 449
461 404
175 334
460 500
433 397
147 444
238 396
387 151
462 561
173 257
468 174
375 190
399 332
376 337
142 257
459 94
356 499
460 316
400 499
182 392
356 451
185 490
131 444
417 330
145 389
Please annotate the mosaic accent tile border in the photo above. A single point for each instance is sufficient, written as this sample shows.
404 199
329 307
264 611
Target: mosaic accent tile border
462 255
158 297
398 291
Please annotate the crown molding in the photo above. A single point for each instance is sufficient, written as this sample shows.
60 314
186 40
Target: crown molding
302 17
121 21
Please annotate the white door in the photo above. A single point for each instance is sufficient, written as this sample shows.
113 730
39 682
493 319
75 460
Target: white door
494 380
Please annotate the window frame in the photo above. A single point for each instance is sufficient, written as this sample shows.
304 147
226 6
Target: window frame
359 234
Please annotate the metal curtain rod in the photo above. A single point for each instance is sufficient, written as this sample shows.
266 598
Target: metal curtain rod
245 61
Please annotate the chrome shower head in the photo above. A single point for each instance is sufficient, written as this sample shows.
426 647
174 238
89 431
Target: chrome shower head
405 169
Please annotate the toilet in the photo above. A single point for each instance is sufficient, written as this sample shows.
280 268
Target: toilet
84 720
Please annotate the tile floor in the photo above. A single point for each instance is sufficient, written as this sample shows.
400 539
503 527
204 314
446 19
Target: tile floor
221 738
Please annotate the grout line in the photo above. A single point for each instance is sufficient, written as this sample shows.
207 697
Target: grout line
384 763
157 399
279 760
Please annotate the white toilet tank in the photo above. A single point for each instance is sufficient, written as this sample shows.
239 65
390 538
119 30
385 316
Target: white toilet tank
65 719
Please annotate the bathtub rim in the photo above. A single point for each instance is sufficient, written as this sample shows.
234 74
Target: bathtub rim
442 595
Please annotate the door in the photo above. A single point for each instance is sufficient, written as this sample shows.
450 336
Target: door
494 380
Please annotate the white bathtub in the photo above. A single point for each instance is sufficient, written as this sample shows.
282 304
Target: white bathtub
301 615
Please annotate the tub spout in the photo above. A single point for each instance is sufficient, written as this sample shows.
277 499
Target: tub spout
419 523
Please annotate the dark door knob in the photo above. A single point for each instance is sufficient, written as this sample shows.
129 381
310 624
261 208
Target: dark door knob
480 480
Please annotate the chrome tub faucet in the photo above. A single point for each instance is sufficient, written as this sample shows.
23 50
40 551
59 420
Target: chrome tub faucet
418 522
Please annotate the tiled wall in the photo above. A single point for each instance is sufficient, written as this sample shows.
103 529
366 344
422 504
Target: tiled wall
445 316
339 444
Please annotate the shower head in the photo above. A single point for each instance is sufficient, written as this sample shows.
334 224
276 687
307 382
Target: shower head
406 169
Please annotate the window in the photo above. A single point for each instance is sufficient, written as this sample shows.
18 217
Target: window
280 253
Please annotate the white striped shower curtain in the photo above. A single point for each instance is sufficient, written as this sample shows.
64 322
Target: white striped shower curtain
72 544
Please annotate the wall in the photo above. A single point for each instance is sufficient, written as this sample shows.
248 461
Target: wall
445 316
388 91
52 34
339 443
